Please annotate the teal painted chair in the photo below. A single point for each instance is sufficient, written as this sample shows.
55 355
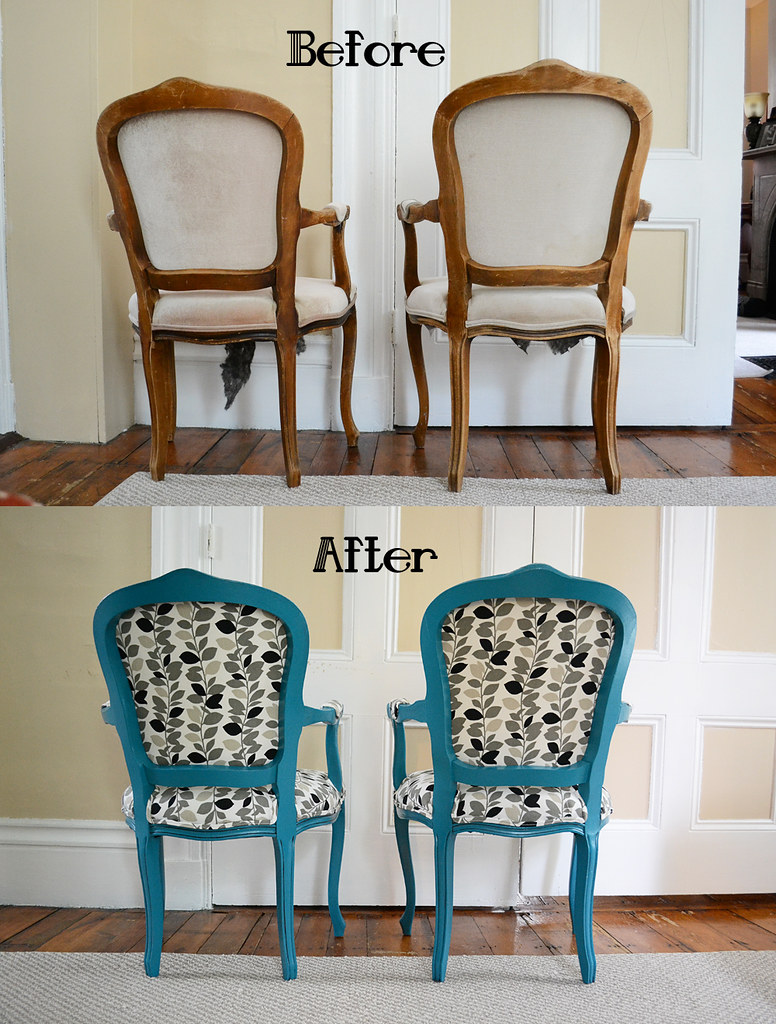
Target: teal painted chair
524 674
205 679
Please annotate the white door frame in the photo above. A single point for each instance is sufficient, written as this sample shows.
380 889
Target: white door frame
7 401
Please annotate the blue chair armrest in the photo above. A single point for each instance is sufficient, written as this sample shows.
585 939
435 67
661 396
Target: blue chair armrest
107 714
399 711
625 711
329 715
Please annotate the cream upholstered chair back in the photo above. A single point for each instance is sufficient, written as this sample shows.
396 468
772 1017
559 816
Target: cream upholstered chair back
524 674
205 679
539 175
205 185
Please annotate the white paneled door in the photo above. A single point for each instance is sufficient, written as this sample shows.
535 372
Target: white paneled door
684 696
676 366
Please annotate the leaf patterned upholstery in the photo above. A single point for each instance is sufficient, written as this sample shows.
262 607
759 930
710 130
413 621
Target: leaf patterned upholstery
221 807
205 677
524 674
519 806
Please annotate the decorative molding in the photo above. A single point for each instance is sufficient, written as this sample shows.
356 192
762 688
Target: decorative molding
656 772
179 538
63 863
346 651
699 824
570 30
706 653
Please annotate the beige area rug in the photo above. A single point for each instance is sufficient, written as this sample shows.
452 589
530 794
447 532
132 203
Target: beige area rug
111 988
189 489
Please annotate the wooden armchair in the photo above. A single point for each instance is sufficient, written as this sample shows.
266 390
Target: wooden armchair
536 243
205 186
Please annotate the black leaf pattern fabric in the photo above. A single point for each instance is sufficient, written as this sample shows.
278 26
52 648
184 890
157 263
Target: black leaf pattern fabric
205 678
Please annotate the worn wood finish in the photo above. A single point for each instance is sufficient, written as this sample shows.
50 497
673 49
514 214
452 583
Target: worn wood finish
539 927
542 78
280 275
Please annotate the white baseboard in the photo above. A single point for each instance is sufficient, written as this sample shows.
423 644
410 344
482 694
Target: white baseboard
7 407
60 863
201 397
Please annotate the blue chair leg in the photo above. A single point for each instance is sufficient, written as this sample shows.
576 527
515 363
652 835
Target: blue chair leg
284 891
402 829
335 863
573 884
444 844
586 849
150 856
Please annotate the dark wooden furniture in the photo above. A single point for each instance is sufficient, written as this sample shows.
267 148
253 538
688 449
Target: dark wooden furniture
762 216
543 144
191 194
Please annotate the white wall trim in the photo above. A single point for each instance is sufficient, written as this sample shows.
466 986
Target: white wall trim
363 152
656 771
7 396
570 30
64 863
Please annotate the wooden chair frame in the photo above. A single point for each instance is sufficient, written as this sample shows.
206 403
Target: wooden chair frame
539 581
188 585
157 345
607 273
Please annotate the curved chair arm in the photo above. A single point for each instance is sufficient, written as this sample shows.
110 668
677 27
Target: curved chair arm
334 215
330 715
410 213
107 714
113 223
399 711
625 713
644 210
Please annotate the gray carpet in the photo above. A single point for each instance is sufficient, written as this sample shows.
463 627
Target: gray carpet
186 489
110 988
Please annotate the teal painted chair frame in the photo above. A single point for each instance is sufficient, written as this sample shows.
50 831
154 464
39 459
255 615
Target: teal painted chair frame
188 585
539 581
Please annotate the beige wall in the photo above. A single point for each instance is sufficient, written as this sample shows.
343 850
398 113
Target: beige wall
291 539
502 36
71 347
59 759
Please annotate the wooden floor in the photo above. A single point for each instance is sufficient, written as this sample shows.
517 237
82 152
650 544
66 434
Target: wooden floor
540 927
80 474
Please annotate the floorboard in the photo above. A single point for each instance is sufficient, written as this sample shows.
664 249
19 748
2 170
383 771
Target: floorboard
55 473
538 927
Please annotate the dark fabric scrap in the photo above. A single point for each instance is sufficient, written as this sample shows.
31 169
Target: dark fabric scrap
557 345
236 368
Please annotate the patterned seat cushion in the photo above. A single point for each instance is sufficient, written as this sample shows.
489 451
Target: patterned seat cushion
524 806
219 807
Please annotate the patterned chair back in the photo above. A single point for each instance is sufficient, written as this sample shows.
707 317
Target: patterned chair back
524 674
205 679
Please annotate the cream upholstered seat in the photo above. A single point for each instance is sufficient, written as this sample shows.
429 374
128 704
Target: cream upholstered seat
208 312
545 311
205 185
539 174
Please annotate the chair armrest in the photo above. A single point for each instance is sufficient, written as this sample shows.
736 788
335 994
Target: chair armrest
330 715
107 714
113 223
625 711
334 215
644 210
411 213
400 711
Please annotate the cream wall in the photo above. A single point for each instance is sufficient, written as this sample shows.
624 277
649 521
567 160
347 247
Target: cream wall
71 348
59 759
